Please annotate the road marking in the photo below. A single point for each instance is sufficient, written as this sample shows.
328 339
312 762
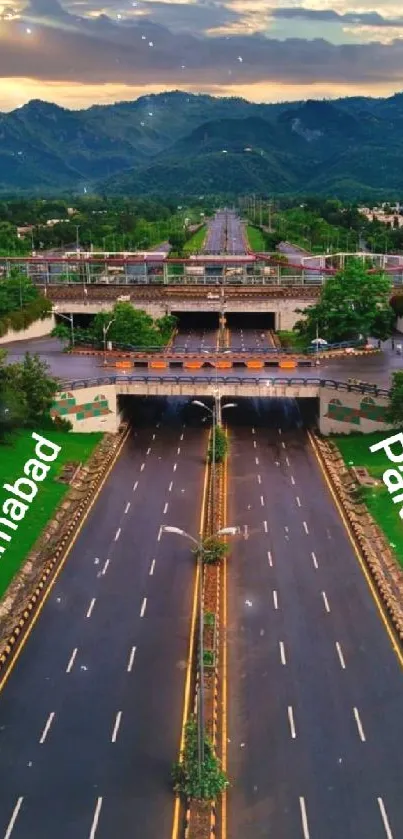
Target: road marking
105 568
340 654
143 607
179 450
306 527
315 561
257 461
148 451
303 817
142 467
152 568
359 725
153 437
283 444
13 818
293 480
166 507
259 479
158 425
279 431
116 726
90 608
175 465
385 819
298 501
159 534
282 652
181 437
131 659
170 487
253 431
135 486
47 727
325 600
96 818
262 500
265 526
275 600
254 444
117 534
269 557
72 659
291 721
287 461
127 507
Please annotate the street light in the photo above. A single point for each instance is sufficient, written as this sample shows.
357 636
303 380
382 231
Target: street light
70 319
216 421
105 331
224 531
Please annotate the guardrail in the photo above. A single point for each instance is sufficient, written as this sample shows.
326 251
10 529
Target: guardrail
211 350
292 381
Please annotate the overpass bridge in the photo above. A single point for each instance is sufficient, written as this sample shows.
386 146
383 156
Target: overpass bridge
96 404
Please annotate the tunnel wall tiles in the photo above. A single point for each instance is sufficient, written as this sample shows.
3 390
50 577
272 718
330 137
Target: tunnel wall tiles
67 406
368 409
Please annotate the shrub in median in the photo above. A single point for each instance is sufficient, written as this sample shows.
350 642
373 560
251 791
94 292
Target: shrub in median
211 781
221 446
213 550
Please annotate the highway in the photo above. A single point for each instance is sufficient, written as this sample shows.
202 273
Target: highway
225 234
315 725
91 714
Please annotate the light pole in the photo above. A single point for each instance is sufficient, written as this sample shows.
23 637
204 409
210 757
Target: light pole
77 238
216 421
70 319
105 331
200 551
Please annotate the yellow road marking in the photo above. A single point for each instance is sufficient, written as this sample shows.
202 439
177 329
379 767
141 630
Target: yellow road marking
59 568
372 587
225 664
185 715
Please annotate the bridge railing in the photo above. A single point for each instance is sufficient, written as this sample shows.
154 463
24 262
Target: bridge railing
282 381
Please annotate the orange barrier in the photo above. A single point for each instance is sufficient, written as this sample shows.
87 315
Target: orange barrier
255 365
158 365
287 364
224 365
126 365
193 365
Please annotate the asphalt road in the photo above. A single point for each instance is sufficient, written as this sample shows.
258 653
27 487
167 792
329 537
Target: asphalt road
376 369
90 717
315 700
250 339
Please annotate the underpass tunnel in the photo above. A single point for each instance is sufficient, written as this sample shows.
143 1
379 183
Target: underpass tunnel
197 321
261 321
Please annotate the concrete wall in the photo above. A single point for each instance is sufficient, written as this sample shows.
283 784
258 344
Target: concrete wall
399 324
36 330
342 412
89 409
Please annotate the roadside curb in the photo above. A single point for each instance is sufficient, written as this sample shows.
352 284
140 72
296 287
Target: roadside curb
63 548
382 565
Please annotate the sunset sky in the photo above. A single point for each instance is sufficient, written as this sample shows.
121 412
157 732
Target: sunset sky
83 51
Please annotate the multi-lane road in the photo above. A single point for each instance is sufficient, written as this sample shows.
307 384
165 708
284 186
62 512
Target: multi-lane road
90 716
316 692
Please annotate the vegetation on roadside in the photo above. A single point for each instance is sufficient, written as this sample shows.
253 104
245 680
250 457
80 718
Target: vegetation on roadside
218 448
213 550
352 305
256 238
20 302
27 391
355 450
124 327
394 413
20 448
291 339
211 782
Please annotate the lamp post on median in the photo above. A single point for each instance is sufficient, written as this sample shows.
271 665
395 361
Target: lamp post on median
70 319
200 551
216 421
105 331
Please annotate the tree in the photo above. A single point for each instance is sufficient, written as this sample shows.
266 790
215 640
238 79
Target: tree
177 241
394 411
353 303
13 408
31 378
131 327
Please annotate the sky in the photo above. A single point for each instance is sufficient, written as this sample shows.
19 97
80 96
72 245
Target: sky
81 52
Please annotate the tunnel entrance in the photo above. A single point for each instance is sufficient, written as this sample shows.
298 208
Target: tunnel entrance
250 320
197 321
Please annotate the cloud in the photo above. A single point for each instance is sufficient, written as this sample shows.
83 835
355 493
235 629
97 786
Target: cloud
330 15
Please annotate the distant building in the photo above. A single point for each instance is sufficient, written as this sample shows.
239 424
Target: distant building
393 219
52 221
22 232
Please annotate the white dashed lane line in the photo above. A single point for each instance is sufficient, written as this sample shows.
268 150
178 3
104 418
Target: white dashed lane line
388 831
166 507
96 818
127 508
315 561
179 450
47 727
262 500
298 501
259 480
105 568
257 461
170 487
305 527
131 659
291 721
116 726
90 608
142 467
135 486
340 654
143 607
152 566
326 602
265 526
304 819
148 451
270 558
117 534
13 819
175 465
71 660
282 653
275 600
293 480
359 725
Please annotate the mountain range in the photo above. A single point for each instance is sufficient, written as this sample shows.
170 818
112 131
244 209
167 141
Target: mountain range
184 144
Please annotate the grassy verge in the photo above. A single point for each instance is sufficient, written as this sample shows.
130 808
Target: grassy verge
255 238
292 340
355 452
74 447
196 242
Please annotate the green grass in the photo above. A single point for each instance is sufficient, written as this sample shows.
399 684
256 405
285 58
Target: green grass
196 241
355 452
255 238
74 447
292 340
